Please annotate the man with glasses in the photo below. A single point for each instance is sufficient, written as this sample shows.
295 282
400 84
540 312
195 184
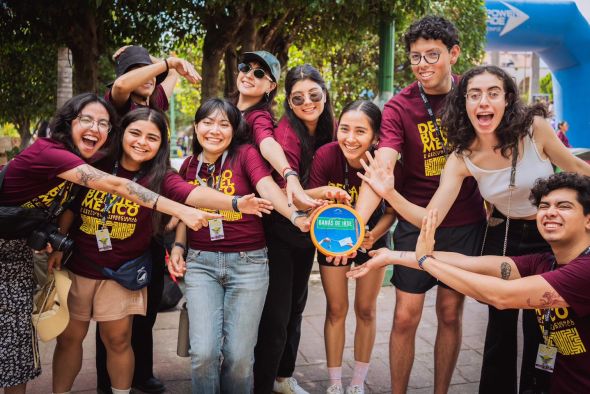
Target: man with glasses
411 129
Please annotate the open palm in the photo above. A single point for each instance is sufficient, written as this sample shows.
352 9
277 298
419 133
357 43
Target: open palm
378 175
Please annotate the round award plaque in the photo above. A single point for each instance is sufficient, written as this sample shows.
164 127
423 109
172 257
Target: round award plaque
337 230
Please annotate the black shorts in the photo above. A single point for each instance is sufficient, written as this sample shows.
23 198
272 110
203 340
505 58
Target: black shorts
360 258
462 239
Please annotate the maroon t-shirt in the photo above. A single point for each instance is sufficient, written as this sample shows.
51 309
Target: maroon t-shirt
158 99
31 179
287 138
570 327
261 124
407 128
130 225
239 176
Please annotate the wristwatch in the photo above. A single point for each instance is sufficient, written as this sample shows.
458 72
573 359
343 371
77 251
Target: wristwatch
422 259
295 215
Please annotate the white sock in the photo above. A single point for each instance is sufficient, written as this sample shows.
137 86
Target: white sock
118 391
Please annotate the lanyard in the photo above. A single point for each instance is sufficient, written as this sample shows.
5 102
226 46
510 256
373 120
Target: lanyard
547 312
109 200
432 116
217 183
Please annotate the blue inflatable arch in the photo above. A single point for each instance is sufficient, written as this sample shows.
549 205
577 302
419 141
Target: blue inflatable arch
560 34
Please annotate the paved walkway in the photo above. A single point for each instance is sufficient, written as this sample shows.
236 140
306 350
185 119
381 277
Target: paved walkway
311 367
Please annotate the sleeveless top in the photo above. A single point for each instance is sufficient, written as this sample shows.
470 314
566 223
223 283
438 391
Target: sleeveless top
493 184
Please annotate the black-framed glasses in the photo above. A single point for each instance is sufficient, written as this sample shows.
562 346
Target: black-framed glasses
210 173
104 126
429 57
258 72
299 99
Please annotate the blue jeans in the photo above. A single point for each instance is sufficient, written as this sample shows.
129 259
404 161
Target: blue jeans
225 296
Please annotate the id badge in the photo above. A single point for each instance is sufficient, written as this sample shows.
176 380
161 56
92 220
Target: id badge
103 240
216 229
546 357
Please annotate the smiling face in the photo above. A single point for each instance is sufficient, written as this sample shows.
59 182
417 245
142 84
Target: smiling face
214 133
355 136
250 86
485 102
436 78
89 140
141 141
305 93
560 217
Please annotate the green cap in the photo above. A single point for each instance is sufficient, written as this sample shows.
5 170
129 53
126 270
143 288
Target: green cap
265 59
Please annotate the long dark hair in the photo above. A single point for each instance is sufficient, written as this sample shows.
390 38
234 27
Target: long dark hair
371 111
155 169
265 103
240 129
515 123
61 124
325 129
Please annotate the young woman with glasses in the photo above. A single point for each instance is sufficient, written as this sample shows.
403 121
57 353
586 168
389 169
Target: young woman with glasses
226 265
487 125
34 179
141 153
307 125
334 170
258 76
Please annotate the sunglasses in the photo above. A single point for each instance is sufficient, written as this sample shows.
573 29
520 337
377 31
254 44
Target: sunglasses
258 72
299 99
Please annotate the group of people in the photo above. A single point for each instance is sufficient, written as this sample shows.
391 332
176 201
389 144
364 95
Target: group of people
241 206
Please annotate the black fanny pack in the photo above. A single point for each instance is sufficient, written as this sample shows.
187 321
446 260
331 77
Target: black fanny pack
134 274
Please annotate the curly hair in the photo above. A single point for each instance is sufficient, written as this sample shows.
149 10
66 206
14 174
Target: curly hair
61 123
432 27
515 123
563 180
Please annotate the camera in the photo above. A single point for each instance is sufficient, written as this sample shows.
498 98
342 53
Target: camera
49 233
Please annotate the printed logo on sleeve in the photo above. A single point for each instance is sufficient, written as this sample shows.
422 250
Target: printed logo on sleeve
434 156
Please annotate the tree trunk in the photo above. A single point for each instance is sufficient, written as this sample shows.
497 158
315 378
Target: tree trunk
210 71
84 44
23 124
64 76
231 70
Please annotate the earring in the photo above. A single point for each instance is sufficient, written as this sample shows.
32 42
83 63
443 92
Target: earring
267 96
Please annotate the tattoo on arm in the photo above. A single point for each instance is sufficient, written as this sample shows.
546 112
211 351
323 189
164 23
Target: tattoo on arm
403 254
505 270
142 193
548 300
88 173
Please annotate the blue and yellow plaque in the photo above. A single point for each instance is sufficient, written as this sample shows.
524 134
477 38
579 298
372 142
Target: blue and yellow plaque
337 230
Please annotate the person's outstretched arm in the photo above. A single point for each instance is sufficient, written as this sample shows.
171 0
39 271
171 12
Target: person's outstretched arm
494 280
88 176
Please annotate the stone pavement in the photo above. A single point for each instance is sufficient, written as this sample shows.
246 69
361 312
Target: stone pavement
311 369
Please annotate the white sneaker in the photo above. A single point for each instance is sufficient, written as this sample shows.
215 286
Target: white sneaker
335 389
355 389
288 386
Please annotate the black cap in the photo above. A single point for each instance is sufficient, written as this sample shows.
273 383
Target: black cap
134 56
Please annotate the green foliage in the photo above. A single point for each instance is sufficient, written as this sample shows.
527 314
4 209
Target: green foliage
27 83
546 85
8 130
